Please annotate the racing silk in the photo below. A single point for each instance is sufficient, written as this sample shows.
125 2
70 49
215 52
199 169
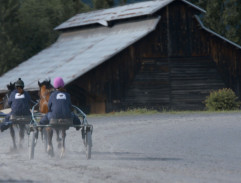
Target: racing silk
59 105
20 104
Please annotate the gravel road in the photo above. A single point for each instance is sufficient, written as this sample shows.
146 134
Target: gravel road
158 148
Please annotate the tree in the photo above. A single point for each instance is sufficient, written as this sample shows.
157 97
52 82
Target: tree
10 54
200 3
232 21
213 18
123 2
224 17
102 4
26 27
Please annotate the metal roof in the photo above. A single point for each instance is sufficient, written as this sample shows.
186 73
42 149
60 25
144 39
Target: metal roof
77 52
216 34
121 12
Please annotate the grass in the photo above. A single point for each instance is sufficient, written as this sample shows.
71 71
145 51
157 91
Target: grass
137 111
140 111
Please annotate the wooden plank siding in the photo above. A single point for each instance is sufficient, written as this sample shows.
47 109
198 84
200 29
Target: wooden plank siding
174 67
227 58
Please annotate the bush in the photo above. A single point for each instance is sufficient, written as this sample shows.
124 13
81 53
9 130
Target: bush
222 99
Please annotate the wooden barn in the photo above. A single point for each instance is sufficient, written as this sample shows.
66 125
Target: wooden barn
153 54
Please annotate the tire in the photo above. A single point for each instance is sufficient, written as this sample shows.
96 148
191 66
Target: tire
88 145
31 145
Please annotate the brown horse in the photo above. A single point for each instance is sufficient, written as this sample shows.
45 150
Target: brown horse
45 89
44 93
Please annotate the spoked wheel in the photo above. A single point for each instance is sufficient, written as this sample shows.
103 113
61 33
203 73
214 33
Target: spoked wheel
88 144
32 141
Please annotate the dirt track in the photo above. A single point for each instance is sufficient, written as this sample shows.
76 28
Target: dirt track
157 148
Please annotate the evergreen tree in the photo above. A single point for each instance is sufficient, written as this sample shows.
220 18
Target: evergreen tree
10 54
224 17
213 18
102 4
200 3
26 27
122 2
231 19
239 22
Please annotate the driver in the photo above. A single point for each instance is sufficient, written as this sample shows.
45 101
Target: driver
19 101
59 105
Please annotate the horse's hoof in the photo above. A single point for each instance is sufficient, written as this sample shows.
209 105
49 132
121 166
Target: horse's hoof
13 149
20 146
59 145
62 153
50 151
59 139
84 142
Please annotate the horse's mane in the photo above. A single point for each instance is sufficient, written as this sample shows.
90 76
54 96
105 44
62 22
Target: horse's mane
46 83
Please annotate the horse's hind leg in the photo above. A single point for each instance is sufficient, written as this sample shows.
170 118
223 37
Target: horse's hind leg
58 138
63 143
13 138
21 135
50 149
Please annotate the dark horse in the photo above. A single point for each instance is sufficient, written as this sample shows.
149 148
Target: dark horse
45 90
11 87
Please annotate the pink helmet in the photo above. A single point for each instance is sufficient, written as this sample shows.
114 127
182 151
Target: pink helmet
58 82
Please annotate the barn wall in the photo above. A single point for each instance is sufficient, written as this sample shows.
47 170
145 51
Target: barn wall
227 58
178 42
103 87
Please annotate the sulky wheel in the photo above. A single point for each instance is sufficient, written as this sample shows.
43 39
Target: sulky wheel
31 145
88 144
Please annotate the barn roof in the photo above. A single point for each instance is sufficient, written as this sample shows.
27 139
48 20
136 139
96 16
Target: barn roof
77 52
105 16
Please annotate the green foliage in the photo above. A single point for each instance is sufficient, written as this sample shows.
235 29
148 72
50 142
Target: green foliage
232 19
37 20
223 99
136 111
224 17
213 16
122 2
9 51
26 27
102 4
200 3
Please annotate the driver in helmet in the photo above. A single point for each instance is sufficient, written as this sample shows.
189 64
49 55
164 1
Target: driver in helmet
59 104
19 101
